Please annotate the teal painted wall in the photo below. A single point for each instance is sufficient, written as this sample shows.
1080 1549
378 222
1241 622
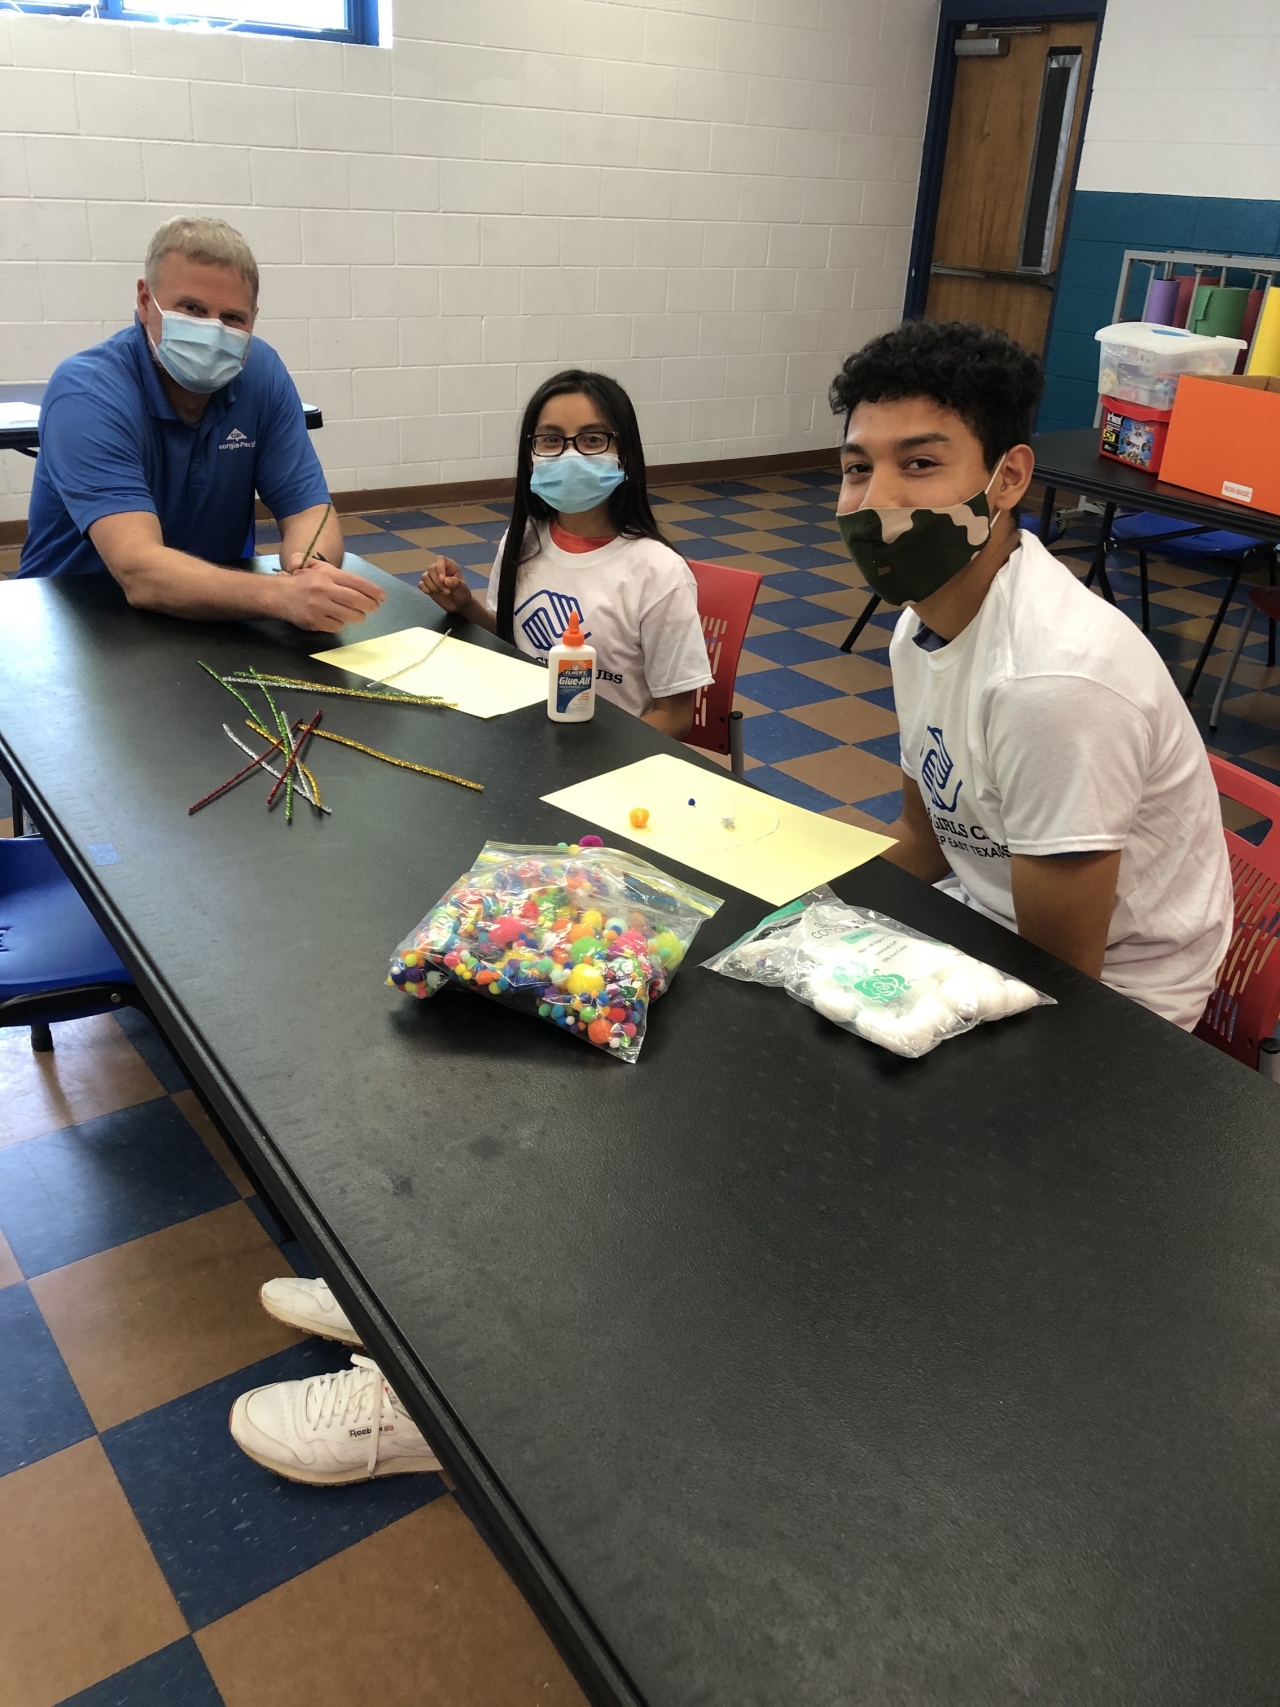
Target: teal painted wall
1103 225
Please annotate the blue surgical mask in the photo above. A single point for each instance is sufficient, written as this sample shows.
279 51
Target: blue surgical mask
570 483
202 355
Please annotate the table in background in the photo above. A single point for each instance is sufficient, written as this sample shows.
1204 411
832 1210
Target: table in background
781 1371
1070 460
26 440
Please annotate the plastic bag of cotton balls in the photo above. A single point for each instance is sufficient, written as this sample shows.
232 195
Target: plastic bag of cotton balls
877 978
764 955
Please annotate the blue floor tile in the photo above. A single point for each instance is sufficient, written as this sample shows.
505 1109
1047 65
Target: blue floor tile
781 689
876 654
775 736
790 647
886 747
223 1529
396 519
92 1186
885 618
152 1048
886 807
804 557
175 1677
46 1413
802 584
792 789
796 613
491 531
806 531
883 697
377 544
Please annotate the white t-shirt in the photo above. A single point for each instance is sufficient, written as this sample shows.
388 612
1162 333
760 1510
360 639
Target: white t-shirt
1051 726
637 603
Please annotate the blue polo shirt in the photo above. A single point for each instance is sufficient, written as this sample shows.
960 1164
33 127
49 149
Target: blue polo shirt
111 442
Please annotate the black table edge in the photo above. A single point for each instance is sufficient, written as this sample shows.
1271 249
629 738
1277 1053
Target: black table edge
584 1649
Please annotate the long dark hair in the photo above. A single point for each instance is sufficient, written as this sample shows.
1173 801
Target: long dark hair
629 509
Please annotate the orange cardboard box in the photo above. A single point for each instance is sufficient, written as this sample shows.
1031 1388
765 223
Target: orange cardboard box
1224 438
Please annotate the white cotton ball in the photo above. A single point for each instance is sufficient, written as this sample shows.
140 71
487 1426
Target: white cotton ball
923 960
911 1033
960 993
1019 996
833 1001
989 988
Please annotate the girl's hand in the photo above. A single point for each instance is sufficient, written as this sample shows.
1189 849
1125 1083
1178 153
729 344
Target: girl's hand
443 581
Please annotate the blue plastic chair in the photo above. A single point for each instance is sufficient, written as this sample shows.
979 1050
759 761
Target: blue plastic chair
55 964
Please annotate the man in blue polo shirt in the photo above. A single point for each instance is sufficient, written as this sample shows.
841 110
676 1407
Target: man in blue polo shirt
154 444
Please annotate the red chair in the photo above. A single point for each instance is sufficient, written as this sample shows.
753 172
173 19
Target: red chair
1245 1006
725 599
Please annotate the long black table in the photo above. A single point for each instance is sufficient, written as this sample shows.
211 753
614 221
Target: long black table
780 1371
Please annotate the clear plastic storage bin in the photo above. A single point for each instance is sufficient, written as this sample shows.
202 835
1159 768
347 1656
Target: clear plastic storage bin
1142 363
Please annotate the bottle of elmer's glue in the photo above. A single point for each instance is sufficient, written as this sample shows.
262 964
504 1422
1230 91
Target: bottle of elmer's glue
571 677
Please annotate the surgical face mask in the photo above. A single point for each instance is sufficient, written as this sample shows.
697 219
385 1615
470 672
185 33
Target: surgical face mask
571 483
908 554
202 355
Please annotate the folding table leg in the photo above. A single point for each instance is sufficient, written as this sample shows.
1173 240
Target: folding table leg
868 611
1207 648
1099 565
1046 513
1271 621
1225 683
1146 605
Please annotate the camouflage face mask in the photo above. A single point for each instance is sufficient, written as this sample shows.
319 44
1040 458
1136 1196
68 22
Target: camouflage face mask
908 554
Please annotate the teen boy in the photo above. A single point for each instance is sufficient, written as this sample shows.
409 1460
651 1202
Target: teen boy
1051 772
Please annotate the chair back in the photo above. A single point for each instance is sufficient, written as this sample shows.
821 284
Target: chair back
725 599
1245 1005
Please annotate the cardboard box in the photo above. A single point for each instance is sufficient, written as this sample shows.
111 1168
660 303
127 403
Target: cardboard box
1224 439
1133 434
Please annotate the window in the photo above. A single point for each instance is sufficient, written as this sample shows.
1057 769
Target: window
1049 159
320 20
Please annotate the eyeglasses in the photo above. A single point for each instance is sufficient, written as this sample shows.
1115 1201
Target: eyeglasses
594 442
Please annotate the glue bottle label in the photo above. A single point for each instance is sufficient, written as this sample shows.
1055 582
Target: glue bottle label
574 678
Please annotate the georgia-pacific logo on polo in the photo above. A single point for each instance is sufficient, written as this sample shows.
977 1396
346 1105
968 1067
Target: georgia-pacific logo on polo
236 440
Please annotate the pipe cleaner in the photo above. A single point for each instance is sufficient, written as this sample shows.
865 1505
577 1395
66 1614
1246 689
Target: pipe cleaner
387 758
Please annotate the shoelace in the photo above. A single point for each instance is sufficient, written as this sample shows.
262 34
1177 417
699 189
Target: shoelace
332 1400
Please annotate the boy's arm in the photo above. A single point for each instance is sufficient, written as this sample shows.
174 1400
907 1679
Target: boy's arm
916 849
1064 904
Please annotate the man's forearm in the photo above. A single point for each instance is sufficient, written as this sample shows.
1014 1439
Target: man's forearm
177 584
297 533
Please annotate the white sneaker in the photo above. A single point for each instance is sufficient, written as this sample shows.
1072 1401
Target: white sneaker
330 1429
309 1305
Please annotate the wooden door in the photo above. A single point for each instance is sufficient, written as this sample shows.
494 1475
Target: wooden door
1010 163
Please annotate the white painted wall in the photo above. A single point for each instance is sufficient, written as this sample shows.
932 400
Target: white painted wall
1186 100
710 199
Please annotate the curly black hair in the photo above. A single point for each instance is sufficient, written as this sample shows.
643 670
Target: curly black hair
990 381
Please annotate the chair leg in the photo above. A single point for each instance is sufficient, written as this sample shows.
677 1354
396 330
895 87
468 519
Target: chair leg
1099 565
1225 683
1046 513
868 611
42 1038
1207 648
1146 601
737 757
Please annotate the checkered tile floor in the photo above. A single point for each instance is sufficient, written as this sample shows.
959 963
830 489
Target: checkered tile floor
144 1561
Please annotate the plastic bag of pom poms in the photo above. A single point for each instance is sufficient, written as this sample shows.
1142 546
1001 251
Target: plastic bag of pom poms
583 937
873 976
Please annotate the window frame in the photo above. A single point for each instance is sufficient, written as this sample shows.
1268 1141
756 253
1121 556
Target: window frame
361 30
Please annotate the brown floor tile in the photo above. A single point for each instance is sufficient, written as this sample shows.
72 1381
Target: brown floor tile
10 1273
155 1318
677 513
725 763
1260 708
6 826
838 550
213 1141
847 773
463 515
1249 672
10 558
848 719
834 632
756 541
679 494
438 538
850 602
768 595
1236 816
1187 599
850 672
357 524
749 664
81 1595
93 1070
681 536
1268 756
763 518
778 483
762 625
1197 628
401 562
748 707
1174 574
744 559
770 500
423 1607
862 820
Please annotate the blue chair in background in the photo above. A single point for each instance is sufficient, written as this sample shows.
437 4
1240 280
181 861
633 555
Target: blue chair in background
55 964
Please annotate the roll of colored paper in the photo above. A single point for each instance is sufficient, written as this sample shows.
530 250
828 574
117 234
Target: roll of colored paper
1252 310
1266 340
1161 303
1185 288
1217 311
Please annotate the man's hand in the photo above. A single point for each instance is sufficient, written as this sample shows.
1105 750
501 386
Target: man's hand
324 599
443 581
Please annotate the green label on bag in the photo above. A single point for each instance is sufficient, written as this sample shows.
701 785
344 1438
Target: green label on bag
884 987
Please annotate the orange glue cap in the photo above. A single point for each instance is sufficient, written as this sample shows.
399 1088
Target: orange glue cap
572 635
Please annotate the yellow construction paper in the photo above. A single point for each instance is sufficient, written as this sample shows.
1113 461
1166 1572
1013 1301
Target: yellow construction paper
1265 357
776 861
417 660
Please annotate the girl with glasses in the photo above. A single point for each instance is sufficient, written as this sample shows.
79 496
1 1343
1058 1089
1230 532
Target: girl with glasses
582 537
